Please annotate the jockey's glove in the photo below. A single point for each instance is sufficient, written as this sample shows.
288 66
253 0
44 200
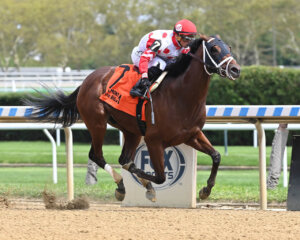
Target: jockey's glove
145 81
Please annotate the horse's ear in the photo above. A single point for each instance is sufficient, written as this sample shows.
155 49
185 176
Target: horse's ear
216 36
204 37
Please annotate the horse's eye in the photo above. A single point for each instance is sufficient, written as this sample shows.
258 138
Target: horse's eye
214 50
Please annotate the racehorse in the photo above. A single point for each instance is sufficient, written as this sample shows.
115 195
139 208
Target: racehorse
179 108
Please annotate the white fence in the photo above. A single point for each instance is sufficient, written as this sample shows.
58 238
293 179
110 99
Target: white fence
25 81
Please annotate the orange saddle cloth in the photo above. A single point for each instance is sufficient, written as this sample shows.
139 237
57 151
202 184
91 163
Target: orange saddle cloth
117 91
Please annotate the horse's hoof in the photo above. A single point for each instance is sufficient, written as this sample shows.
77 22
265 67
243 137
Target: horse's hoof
204 193
151 195
119 195
120 191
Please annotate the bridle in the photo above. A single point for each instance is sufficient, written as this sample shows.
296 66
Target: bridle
212 65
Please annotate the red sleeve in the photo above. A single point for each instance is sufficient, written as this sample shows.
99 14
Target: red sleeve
185 50
146 57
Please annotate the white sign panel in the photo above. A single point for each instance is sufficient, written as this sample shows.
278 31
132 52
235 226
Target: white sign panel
179 189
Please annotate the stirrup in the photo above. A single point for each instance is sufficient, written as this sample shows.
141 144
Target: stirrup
135 92
140 94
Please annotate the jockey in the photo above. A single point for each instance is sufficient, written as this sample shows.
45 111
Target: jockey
158 49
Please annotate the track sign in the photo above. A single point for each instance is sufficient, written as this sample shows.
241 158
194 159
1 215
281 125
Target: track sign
293 201
179 189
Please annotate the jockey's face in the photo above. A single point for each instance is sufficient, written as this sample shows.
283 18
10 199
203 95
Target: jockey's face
183 41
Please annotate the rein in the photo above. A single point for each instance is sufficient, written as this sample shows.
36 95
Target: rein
199 59
196 57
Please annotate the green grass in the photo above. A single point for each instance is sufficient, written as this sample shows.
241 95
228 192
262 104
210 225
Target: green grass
31 182
232 186
240 186
41 152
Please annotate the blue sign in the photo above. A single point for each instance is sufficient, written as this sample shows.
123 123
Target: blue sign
175 165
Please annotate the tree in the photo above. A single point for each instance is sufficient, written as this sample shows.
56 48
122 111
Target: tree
242 24
17 37
288 31
66 33
94 33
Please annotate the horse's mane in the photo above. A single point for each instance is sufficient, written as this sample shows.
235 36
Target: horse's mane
183 61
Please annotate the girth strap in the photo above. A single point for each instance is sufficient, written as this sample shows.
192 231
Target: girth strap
141 124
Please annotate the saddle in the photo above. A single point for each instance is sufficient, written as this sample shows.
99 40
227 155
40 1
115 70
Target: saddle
117 93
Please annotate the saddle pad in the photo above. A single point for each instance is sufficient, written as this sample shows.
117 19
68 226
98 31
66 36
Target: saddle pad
118 88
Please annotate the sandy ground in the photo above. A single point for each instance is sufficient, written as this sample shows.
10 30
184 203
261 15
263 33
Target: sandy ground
30 220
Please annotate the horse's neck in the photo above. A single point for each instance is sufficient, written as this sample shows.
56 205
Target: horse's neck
196 81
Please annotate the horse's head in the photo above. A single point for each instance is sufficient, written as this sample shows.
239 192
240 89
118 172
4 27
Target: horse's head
218 59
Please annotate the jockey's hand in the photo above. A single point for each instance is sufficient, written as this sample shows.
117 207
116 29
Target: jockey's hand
185 50
145 81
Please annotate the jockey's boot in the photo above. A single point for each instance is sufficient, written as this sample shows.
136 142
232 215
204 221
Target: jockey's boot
154 73
140 88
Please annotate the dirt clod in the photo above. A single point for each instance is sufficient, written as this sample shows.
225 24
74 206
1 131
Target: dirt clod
51 202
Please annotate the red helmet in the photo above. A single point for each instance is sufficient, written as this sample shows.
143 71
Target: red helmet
185 27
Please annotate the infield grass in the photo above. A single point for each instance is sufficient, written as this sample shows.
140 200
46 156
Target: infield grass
231 186
41 152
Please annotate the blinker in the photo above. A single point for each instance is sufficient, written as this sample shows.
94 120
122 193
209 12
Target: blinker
224 50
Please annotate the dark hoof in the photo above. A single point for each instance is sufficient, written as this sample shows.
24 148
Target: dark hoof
120 191
204 193
119 195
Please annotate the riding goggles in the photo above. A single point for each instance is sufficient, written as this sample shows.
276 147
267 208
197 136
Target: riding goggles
187 37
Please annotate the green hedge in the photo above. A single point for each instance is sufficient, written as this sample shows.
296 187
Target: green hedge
11 98
258 85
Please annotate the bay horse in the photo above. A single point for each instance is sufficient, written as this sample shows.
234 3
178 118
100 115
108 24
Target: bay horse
179 108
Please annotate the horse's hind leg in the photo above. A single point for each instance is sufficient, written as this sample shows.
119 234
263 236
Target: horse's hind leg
97 129
126 160
91 174
100 161
201 143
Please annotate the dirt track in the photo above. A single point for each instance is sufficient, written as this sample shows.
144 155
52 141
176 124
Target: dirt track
30 220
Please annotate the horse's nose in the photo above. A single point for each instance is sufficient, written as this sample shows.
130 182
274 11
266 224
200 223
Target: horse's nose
235 71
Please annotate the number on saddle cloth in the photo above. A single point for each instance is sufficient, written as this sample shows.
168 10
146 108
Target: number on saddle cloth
126 68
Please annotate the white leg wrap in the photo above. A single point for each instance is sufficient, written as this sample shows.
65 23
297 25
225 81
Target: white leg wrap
109 169
116 176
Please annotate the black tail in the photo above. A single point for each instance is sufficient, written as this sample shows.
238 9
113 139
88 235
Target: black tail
54 107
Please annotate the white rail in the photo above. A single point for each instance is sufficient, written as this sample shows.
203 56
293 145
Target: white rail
257 115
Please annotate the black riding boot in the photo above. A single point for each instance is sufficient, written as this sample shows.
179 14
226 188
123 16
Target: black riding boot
154 73
140 88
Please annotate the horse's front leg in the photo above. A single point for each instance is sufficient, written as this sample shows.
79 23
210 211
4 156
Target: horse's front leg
201 143
156 153
126 160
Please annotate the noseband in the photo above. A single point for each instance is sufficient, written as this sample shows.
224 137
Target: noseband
212 65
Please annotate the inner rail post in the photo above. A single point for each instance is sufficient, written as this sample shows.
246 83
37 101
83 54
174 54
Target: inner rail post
69 152
262 165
